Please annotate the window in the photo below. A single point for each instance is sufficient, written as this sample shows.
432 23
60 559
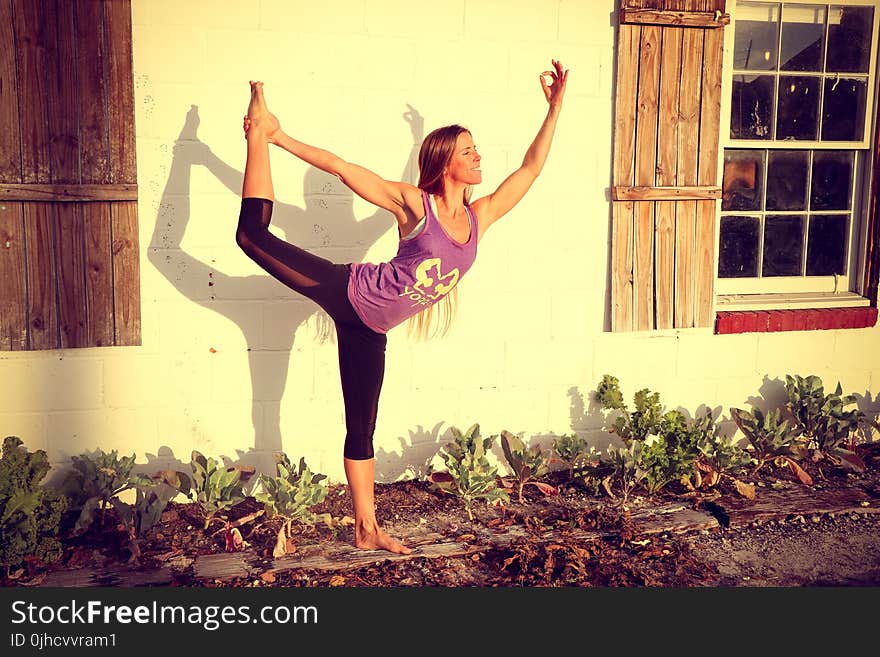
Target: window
801 87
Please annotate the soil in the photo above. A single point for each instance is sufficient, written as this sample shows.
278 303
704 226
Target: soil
789 535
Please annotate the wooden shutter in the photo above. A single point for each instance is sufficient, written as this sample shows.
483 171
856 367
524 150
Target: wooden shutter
667 112
69 258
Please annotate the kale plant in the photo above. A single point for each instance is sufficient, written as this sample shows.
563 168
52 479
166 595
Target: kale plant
29 512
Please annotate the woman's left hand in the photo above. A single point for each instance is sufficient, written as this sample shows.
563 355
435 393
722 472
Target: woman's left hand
555 90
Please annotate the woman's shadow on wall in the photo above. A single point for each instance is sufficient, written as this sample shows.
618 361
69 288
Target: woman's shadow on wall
327 220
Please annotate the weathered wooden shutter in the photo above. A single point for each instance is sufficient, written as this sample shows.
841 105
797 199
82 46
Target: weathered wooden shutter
667 112
69 261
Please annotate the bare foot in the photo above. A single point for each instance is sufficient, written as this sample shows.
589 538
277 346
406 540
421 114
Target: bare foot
258 116
375 538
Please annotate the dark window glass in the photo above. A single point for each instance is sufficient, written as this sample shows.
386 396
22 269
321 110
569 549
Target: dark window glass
738 248
751 107
803 31
783 245
826 245
754 44
742 180
787 180
831 187
849 39
798 114
843 112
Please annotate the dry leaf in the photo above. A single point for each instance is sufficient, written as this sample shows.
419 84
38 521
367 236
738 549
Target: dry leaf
268 577
280 544
337 580
800 473
234 540
744 489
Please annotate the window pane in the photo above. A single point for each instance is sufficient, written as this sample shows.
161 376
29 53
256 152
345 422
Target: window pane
742 180
754 43
783 245
803 29
831 188
798 108
849 39
826 250
738 248
751 106
843 115
787 180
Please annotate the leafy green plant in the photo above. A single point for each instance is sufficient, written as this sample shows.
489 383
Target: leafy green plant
824 421
217 488
151 499
95 480
624 469
29 512
771 439
670 454
720 458
291 495
572 450
527 464
469 474
637 424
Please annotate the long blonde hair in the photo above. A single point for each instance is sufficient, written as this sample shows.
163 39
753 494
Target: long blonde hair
434 154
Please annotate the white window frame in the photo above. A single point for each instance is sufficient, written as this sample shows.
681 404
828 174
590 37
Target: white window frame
801 291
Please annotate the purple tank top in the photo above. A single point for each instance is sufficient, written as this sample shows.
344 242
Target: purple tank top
425 269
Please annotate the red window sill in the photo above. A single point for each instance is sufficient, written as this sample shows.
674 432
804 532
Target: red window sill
808 319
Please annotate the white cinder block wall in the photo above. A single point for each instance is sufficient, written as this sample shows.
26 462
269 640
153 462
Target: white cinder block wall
236 366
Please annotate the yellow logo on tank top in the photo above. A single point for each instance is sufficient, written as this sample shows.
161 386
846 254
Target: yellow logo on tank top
431 283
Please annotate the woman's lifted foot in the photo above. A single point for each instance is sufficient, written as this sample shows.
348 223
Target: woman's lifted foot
258 116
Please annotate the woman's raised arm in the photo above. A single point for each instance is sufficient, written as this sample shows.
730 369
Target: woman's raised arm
370 186
494 206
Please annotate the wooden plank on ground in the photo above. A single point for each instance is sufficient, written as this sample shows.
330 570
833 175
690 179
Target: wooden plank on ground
806 501
31 45
126 274
10 144
622 292
99 275
13 300
94 115
41 276
123 160
71 275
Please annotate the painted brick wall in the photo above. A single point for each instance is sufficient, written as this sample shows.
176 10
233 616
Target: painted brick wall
235 365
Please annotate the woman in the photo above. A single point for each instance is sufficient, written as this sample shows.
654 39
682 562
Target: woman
439 231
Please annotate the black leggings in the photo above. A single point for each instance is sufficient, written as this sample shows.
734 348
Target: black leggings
361 349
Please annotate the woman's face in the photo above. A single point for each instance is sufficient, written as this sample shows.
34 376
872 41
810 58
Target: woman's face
464 166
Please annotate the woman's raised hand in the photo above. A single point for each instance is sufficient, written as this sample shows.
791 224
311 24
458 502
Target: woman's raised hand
555 89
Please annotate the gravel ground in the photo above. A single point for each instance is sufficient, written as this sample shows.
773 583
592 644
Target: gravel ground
826 550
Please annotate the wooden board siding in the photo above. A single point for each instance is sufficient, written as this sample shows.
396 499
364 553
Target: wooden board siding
13 300
68 176
667 112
